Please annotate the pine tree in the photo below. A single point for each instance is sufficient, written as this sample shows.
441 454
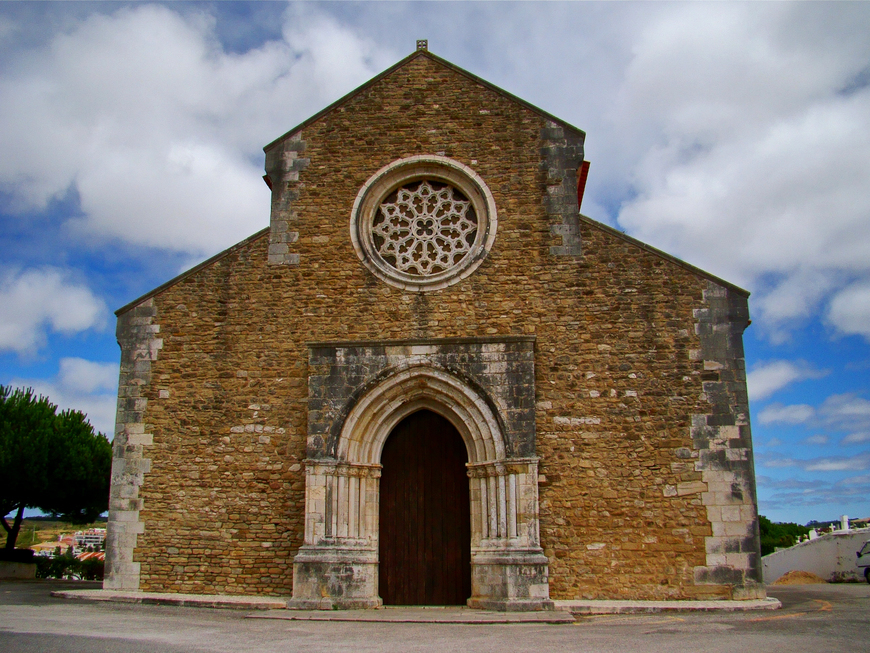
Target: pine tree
49 460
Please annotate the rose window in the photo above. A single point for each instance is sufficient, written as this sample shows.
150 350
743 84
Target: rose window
424 228
423 223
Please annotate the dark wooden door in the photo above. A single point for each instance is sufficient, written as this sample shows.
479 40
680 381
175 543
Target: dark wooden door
425 531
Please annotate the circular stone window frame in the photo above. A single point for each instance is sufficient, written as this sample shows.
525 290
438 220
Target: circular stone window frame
405 171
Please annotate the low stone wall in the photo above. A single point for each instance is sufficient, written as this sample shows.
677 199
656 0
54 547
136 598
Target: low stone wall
17 570
830 556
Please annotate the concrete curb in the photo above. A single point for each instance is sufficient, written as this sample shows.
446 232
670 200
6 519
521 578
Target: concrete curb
647 607
185 600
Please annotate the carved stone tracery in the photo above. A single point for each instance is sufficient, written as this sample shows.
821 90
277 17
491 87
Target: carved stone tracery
424 228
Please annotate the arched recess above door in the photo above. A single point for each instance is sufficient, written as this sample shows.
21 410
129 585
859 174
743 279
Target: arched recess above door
374 416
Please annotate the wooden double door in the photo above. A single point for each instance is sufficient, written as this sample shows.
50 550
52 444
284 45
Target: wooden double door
425 531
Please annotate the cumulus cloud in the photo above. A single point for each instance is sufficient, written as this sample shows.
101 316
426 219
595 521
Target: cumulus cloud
849 310
753 132
846 412
767 378
736 136
863 479
87 376
833 498
860 462
157 128
34 301
790 483
779 414
795 296
837 464
856 438
88 386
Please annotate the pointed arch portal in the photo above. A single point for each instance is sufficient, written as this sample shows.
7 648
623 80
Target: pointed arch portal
351 417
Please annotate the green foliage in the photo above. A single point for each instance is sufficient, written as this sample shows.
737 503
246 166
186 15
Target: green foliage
782 535
67 566
51 461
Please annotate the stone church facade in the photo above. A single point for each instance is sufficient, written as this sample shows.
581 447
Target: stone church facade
429 304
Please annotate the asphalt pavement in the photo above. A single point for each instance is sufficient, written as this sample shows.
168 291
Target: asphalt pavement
812 618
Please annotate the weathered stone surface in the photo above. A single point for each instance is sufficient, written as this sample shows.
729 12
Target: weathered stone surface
501 368
640 424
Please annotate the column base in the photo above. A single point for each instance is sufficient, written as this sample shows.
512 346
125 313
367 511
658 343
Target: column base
511 605
326 578
510 581
328 603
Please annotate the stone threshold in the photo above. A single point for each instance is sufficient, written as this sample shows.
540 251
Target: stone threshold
423 615
648 607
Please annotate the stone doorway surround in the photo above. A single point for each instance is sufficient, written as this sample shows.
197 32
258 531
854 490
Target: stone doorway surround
359 392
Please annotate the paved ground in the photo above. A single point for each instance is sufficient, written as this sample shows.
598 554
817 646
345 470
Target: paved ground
813 618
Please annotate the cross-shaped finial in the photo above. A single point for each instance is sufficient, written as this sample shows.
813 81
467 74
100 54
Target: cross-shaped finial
423 44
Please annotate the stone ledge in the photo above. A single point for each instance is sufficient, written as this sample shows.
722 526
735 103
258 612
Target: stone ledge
564 610
185 600
640 607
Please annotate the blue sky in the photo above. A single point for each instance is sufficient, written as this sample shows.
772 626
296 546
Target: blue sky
733 135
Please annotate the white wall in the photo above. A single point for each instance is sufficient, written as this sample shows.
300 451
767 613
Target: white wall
830 556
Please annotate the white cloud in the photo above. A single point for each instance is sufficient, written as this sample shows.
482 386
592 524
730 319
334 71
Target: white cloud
753 147
837 464
796 296
856 438
88 386
767 378
743 130
36 300
849 310
863 479
791 483
87 376
779 414
158 129
860 462
777 462
834 498
846 412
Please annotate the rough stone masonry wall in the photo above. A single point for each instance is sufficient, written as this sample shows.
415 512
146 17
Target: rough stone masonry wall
617 383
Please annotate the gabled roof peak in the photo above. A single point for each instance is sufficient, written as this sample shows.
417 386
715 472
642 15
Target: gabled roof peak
423 51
